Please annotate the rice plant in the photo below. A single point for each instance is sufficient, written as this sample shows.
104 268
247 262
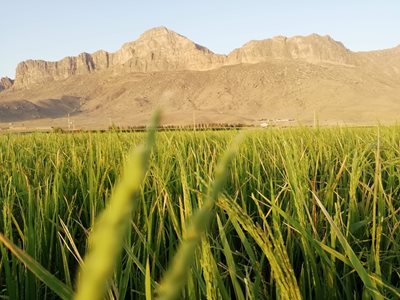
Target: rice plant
303 213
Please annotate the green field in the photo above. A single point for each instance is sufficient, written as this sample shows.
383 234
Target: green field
304 213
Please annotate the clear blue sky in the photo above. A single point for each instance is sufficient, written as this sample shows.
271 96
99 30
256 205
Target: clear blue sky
53 29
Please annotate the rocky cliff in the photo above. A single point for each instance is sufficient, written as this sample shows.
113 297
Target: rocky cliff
313 48
5 83
39 71
160 49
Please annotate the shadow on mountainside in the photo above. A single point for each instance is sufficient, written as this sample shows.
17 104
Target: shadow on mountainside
24 110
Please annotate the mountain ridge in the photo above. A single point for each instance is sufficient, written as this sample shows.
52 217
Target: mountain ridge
142 55
282 78
161 49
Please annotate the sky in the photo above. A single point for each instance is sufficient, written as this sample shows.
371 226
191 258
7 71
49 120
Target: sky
53 29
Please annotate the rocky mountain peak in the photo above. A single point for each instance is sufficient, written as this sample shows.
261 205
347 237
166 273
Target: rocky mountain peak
164 37
313 48
161 49
157 32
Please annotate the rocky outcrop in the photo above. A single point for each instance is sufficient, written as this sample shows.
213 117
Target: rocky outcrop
158 49
101 60
313 48
39 71
6 83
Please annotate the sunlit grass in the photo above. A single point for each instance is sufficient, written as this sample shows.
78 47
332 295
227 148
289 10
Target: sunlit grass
304 213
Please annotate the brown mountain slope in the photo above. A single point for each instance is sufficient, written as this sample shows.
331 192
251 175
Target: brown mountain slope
280 78
277 89
386 61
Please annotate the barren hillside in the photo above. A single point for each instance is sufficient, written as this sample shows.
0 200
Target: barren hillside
271 80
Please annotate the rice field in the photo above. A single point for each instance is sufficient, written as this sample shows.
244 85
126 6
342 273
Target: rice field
295 213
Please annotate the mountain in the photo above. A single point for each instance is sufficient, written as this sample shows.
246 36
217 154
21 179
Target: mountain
296 78
313 48
5 83
158 49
